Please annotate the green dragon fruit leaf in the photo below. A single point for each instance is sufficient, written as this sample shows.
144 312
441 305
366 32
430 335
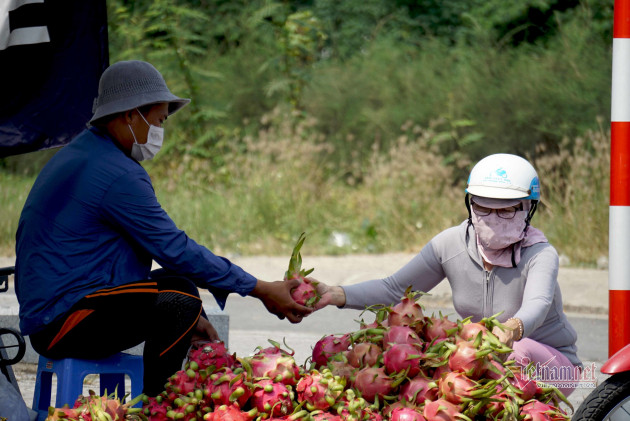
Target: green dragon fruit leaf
295 263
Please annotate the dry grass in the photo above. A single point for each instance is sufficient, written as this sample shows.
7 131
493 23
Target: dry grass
268 188
575 184
285 181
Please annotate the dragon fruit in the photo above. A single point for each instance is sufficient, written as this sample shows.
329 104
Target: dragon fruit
92 399
402 357
354 408
374 325
228 387
441 409
525 388
445 370
374 334
115 408
325 416
440 371
370 414
82 401
364 354
418 389
469 359
306 293
183 410
55 414
406 414
400 335
387 409
495 370
275 348
327 347
278 366
94 408
455 387
469 331
271 398
211 354
155 408
229 413
539 411
498 405
438 329
364 414
407 313
341 368
373 382
183 382
319 390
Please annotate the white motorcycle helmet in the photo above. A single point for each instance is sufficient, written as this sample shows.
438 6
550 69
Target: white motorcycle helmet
504 176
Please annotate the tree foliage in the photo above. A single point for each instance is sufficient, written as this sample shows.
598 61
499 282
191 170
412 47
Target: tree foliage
487 74
375 109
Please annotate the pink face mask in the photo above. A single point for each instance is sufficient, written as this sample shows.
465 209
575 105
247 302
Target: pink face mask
500 240
496 233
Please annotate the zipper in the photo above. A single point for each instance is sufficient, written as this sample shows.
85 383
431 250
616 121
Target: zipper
487 299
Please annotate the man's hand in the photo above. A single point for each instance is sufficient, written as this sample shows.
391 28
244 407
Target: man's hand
204 332
330 296
276 296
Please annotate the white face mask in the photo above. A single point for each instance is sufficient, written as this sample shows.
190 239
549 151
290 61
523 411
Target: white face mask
155 138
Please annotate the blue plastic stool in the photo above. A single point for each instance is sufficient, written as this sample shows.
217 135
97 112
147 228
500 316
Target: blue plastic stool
71 372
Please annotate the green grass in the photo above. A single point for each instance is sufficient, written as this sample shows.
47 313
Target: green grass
13 192
281 183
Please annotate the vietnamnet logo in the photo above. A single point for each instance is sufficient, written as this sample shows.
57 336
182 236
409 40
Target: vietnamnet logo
561 377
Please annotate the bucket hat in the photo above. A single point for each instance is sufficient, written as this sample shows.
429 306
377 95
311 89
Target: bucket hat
126 85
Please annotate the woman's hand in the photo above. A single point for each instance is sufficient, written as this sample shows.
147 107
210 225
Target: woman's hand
330 296
204 332
511 334
276 296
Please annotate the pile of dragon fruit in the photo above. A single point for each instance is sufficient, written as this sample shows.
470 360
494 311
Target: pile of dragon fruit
404 366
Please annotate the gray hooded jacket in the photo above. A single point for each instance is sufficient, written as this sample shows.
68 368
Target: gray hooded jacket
529 292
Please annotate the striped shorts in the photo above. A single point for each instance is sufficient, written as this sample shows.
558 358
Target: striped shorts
162 312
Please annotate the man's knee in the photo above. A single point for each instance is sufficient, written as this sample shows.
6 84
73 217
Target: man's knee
169 281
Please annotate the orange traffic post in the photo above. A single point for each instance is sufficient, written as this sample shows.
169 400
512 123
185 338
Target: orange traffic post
619 221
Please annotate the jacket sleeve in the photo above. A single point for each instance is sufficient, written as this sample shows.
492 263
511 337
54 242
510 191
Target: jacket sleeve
540 289
422 273
131 206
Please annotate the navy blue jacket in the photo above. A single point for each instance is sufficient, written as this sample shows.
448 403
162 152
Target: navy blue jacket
92 221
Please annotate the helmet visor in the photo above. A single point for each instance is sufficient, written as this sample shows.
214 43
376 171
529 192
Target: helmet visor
491 203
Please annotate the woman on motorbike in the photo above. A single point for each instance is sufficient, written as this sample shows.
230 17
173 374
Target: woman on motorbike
495 261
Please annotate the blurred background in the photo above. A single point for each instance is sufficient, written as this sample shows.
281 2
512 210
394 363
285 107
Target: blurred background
358 121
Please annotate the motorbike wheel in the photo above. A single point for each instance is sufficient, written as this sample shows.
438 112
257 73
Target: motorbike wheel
608 401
